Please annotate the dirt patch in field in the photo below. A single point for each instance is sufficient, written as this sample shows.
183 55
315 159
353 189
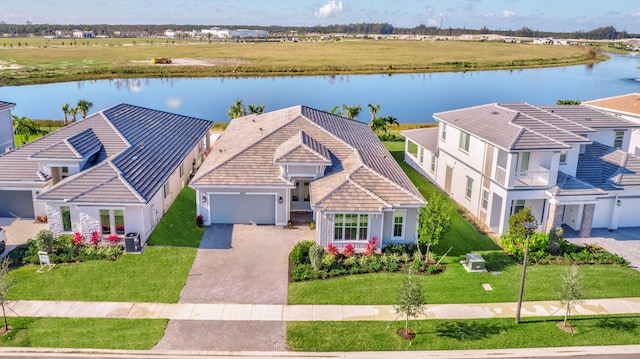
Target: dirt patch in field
199 62
5 66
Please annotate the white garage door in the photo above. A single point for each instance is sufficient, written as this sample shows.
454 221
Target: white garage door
243 208
629 212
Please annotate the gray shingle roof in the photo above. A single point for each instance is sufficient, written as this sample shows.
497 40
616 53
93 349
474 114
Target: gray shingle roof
425 137
140 150
244 153
78 146
521 126
302 148
607 167
6 105
589 117
567 185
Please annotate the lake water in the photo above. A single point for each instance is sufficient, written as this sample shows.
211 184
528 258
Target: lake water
412 98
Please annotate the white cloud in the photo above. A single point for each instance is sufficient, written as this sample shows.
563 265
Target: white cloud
635 14
332 7
508 13
488 15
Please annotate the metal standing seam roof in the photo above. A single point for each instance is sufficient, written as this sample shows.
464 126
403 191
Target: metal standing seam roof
157 142
245 151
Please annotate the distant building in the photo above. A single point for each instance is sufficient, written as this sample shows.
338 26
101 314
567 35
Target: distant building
80 34
219 33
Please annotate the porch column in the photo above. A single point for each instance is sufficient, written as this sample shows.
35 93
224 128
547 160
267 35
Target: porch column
554 219
587 220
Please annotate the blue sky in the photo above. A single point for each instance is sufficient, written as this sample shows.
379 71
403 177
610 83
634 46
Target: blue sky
556 15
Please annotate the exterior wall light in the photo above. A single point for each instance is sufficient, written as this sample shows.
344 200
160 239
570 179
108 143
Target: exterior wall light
280 199
204 198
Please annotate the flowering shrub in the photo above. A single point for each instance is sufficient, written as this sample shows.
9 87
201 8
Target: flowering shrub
371 246
200 221
78 239
348 250
95 238
333 250
113 238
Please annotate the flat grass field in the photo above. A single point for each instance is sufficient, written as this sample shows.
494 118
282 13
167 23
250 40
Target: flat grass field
38 60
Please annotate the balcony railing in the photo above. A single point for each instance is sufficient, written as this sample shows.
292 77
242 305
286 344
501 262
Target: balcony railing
532 179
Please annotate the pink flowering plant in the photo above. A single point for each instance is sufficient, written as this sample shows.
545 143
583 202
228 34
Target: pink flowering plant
333 250
349 249
371 246
95 238
113 238
78 239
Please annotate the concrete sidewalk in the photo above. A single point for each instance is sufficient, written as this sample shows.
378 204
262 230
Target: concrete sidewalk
288 313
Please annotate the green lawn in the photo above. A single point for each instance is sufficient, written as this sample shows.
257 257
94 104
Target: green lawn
178 226
461 334
455 285
103 333
157 275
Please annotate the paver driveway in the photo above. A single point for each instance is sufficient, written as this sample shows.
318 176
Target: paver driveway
237 264
624 242
242 264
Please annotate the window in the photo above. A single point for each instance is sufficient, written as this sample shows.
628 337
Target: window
350 227
421 157
523 162
464 141
110 219
105 220
66 218
485 199
64 173
181 169
398 224
517 205
166 190
443 134
619 138
118 218
469 190
433 163
563 157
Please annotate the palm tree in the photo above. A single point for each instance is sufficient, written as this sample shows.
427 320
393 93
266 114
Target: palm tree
256 109
374 109
379 124
27 127
65 112
390 120
334 111
351 112
73 112
236 110
83 107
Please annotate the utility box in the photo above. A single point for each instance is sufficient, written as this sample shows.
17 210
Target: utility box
132 242
473 263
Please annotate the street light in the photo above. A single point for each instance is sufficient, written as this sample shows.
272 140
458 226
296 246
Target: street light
530 228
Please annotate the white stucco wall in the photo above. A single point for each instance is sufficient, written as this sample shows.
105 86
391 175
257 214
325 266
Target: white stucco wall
6 131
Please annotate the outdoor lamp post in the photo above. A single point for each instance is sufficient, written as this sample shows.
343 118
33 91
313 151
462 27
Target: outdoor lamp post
530 228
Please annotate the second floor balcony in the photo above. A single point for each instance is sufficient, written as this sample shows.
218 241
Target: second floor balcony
535 178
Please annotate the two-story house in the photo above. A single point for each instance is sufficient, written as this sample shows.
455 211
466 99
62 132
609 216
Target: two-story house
6 129
566 163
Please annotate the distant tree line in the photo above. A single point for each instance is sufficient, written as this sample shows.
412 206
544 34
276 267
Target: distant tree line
602 33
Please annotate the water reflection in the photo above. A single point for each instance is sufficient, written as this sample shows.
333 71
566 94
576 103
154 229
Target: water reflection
411 98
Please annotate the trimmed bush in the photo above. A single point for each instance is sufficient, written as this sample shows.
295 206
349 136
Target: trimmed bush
300 252
316 254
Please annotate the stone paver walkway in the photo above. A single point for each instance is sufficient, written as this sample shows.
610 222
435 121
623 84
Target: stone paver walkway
624 242
285 313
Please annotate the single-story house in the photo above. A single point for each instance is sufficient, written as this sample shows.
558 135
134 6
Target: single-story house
116 171
266 167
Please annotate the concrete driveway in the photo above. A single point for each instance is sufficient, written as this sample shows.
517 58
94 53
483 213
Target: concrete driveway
18 231
245 264
624 242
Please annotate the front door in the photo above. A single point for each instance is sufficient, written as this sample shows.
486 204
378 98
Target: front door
300 200
447 179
